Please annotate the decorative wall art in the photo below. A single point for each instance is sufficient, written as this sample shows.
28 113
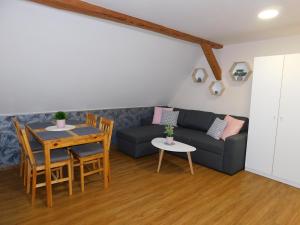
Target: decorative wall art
240 71
199 75
217 88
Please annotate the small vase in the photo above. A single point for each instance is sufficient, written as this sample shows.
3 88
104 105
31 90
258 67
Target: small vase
60 123
169 140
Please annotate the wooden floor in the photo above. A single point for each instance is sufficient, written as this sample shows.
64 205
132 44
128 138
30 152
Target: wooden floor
138 195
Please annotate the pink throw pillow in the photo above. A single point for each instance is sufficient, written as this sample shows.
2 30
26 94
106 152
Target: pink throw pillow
158 113
233 127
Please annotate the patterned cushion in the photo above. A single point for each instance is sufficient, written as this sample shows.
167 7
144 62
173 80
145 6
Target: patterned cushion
87 149
157 114
169 118
217 128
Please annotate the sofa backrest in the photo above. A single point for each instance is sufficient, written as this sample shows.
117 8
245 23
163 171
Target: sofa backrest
201 120
194 119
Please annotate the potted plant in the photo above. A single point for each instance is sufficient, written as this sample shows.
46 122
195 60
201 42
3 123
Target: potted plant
60 119
169 131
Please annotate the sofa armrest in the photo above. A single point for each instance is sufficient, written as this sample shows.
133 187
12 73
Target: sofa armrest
235 153
146 121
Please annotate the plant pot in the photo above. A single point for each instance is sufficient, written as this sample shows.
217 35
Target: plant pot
169 140
60 123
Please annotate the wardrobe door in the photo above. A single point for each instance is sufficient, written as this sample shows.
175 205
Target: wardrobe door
287 152
266 85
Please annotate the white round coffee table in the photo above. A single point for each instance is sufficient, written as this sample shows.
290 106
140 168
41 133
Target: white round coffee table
176 147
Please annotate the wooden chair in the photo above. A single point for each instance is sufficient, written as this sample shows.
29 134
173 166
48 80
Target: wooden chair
34 146
36 166
91 119
106 126
91 154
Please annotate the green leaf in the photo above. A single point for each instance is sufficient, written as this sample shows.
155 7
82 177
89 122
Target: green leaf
60 115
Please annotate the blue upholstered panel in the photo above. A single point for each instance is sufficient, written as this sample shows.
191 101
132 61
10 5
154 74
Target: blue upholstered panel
73 122
9 146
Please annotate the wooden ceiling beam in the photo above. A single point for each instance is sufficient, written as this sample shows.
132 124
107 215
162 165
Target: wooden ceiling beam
103 13
212 61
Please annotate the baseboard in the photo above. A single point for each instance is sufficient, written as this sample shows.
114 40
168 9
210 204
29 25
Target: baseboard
270 176
10 167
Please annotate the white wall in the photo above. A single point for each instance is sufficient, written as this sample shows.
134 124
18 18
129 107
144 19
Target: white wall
236 98
56 60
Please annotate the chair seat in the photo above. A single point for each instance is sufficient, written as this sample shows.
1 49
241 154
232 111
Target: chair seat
35 146
57 155
87 150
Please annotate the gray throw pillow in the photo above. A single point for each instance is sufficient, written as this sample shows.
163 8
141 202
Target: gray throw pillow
217 128
169 118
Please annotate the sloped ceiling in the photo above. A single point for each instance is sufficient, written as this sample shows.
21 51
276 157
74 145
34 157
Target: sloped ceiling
56 60
223 21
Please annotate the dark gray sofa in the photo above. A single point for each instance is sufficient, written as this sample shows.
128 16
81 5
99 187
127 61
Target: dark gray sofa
227 157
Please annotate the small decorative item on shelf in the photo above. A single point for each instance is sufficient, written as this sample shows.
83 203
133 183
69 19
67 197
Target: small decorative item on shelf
169 131
217 88
60 118
199 75
240 71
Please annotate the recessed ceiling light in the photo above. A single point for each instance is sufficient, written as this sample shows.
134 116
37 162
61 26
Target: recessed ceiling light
268 14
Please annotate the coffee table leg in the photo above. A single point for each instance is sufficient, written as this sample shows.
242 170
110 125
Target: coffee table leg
190 162
161 154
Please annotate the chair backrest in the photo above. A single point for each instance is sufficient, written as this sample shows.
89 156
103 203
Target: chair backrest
107 125
17 128
91 119
19 134
26 146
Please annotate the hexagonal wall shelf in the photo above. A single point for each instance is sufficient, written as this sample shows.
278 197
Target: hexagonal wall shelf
240 71
199 75
217 88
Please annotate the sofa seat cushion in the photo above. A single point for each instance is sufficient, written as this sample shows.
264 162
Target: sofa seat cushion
141 134
199 140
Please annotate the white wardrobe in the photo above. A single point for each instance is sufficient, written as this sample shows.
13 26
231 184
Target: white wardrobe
273 148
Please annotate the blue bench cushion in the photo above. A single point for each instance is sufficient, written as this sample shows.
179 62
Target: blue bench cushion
87 149
57 155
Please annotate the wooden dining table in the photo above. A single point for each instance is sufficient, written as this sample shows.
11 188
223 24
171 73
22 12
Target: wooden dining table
81 134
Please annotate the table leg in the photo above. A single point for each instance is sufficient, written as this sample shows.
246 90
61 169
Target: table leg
106 161
48 176
161 154
190 162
